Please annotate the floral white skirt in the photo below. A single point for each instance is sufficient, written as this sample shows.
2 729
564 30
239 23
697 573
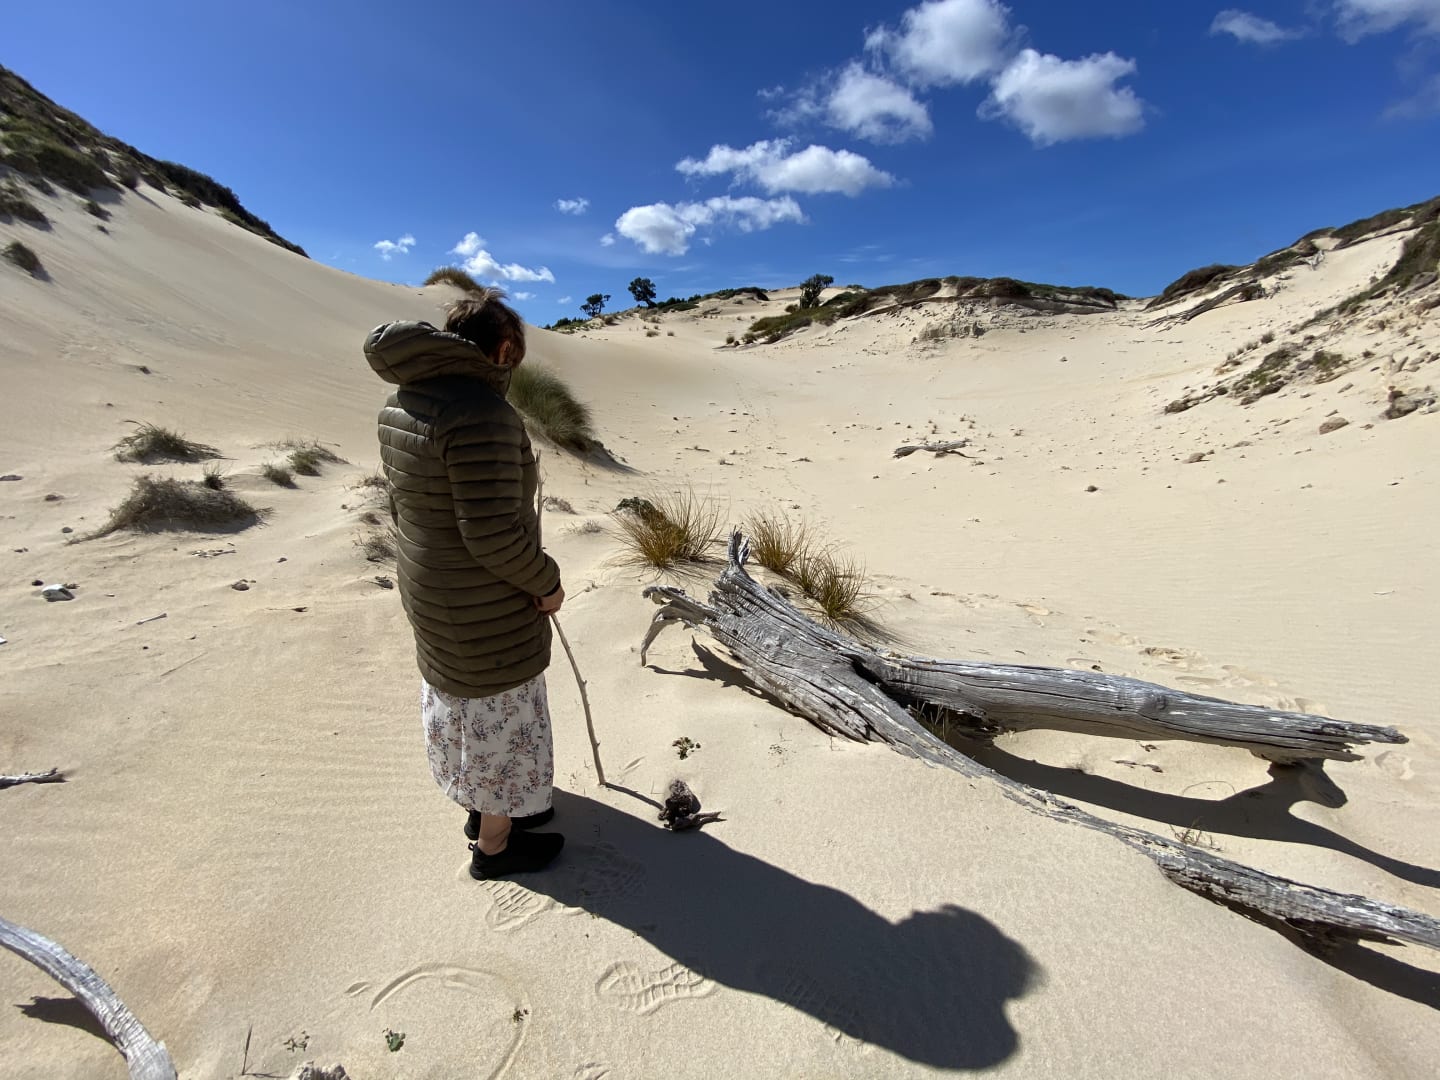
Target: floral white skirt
491 754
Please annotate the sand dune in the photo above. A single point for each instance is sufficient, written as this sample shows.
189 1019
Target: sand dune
249 840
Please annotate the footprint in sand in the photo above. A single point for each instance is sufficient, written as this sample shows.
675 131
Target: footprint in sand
591 1070
793 986
512 905
605 877
628 987
1394 765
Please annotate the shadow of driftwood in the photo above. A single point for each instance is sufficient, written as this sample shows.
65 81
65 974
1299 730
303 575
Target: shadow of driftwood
1260 813
713 668
931 988
67 1011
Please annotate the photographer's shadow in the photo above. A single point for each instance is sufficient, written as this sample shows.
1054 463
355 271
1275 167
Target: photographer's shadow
932 987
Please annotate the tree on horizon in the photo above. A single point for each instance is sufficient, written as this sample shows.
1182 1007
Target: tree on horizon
594 304
643 290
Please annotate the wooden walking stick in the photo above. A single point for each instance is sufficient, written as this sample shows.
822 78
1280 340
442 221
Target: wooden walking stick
584 697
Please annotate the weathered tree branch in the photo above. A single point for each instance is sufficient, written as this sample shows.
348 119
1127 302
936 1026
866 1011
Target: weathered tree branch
848 689
49 776
147 1059
938 449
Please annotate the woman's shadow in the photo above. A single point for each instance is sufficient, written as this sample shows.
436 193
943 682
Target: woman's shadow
932 987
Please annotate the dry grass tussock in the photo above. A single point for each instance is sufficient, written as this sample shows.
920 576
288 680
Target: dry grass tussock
776 542
834 583
278 475
551 407
150 443
670 530
379 544
160 503
307 455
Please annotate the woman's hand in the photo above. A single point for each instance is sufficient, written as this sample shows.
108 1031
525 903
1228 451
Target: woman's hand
549 605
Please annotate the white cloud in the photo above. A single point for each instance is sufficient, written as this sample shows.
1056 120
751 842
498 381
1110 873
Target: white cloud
1053 100
480 262
943 42
1251 29
663 228
812 171
523 295
565 300
875 107
607 239
387 248
572 206
1361 17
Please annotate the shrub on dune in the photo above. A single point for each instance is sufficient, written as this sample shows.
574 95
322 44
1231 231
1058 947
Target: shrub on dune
306 456
667 531
278 475
165 503
24 258
776 542
150 443
548 404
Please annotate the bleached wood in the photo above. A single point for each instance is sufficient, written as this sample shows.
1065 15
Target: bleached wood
847 688
146 1058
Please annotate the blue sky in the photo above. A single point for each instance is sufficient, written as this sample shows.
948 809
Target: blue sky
564 148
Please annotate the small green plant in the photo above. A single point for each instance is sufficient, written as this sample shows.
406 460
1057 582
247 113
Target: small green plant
94 209
214 477
277 474
374 479
24 258
394 1040
453 275
548 403
1267 337
685 746
149 443
640 507
165 503
729 339
519 1015
652 333
676 529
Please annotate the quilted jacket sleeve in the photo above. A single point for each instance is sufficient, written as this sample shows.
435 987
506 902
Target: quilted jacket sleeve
485 456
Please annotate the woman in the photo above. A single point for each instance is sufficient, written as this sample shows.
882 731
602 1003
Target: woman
474 581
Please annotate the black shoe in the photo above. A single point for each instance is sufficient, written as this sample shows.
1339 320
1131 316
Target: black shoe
533 821
523 853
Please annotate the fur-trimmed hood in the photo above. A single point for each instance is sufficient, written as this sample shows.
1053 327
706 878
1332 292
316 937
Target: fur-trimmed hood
405 353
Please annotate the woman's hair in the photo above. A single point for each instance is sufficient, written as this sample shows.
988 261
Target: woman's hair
484 318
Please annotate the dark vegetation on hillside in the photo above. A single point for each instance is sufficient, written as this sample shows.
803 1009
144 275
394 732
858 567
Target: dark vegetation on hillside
1413 260
49 145
675 303
855 301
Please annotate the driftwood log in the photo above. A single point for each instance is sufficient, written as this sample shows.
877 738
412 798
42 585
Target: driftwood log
49 776
147 1059
938 449
849 689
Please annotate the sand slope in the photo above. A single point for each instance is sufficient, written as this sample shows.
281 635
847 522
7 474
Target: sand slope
250 841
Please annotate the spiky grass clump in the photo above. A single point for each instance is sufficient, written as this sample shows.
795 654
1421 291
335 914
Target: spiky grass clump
278 475
548 403
165 503
453 275
776 542
150 442
837 586
307 457
214 478
669 530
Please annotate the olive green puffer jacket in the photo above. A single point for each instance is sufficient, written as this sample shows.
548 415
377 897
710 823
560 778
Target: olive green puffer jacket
462 486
